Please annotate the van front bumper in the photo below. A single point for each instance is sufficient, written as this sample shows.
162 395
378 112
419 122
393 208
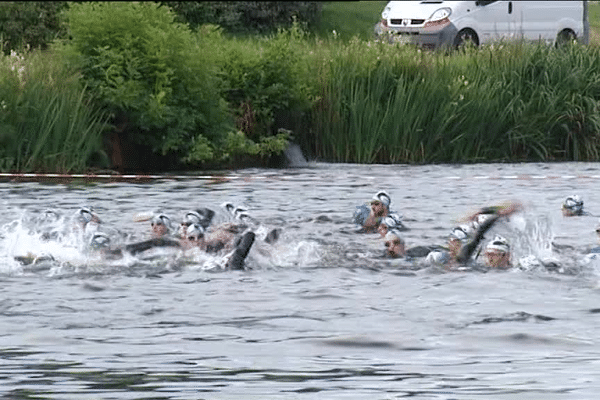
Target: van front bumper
427 37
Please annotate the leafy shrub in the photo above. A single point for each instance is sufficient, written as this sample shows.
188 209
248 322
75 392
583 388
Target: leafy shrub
30 24
265 77
148 69
247 16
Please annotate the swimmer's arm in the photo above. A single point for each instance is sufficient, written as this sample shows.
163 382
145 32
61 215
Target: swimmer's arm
139 247
468 249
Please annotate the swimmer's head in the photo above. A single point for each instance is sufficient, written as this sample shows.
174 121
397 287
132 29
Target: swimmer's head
161 225
100 240
383 198
458 236
462 233
380 204
85 215
394 244
497 253
241 214
191 217
392 221
228 206
244 217
573 205
194 232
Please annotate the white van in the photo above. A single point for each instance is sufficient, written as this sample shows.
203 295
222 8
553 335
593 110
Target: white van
434 24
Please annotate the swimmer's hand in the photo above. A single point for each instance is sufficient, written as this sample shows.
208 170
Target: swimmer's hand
503 209
509 208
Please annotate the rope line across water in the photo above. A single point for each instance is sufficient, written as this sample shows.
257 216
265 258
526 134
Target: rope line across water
117 177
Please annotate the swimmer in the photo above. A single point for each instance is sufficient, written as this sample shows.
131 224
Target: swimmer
395 247
394 244
223 236
242 218
392 221
160 225
241 245
458 236
85 215
101 242
497 253
572 206
370 215
195 238
202 217
462 250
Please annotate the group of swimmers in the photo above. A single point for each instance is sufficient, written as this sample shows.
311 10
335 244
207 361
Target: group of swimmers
195 231
235 237
464 241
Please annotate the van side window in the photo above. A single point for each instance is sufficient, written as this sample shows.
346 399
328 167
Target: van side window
484 3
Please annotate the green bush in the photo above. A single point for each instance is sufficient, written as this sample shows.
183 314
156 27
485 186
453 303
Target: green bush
264 78
145 68
30 24
247 16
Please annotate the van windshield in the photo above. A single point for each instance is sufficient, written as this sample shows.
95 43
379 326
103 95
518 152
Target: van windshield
432 1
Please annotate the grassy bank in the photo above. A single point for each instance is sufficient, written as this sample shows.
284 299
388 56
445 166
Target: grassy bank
350 19
510 102
47 123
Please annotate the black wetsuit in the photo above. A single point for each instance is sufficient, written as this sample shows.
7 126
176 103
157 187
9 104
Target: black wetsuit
467 250
236 260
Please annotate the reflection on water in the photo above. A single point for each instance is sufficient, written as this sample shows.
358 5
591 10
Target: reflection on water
320 313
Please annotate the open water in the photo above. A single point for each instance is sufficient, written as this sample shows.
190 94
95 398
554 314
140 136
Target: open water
320 314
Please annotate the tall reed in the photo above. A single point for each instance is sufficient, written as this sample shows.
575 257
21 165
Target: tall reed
47 121
506 102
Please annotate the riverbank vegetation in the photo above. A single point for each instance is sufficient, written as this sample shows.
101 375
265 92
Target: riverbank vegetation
206 98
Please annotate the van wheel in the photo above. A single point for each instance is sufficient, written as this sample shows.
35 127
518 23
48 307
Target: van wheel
466 37
565 37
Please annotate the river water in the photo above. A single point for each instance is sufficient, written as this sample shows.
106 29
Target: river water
320 314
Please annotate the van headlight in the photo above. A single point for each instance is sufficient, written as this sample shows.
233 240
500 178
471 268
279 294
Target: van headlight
440 14
386 12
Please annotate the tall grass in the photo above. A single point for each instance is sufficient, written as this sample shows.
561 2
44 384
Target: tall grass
47 123
507 102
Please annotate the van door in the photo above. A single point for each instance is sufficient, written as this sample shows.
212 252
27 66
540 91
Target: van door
539 20
495 19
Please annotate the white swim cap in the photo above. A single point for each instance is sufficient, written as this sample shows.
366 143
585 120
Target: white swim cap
161 219
383 197
100 240
393 221
573 203
498 244
194 232
394 234
192 217
85 215
462 233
